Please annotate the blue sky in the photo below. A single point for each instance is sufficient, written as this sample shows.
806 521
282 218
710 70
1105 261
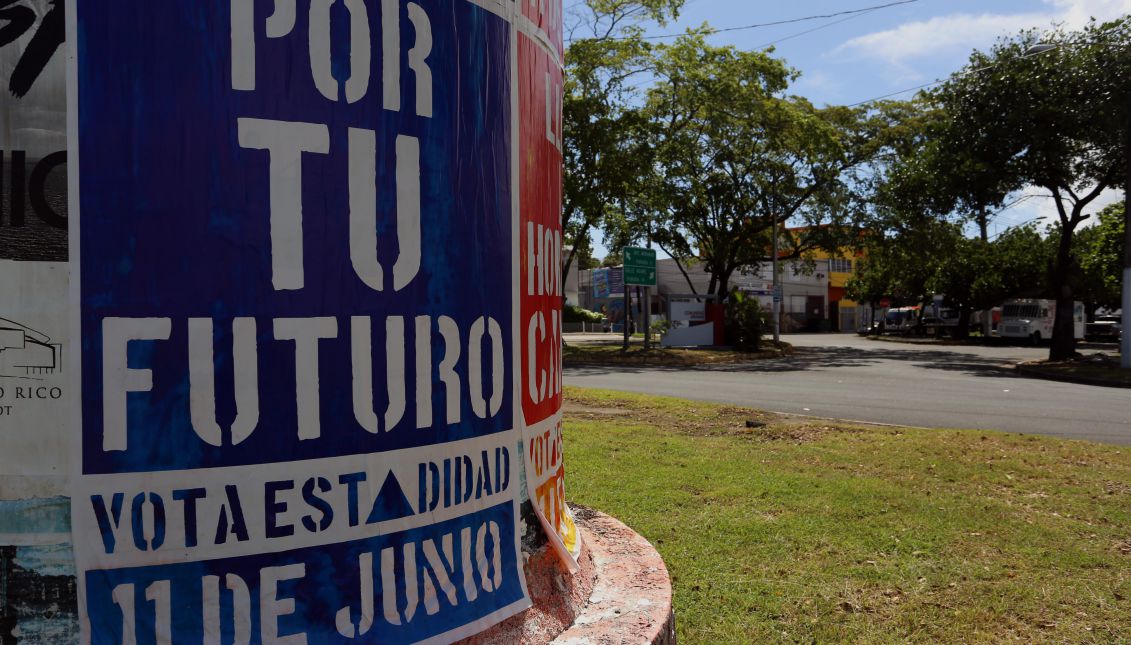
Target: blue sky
848 59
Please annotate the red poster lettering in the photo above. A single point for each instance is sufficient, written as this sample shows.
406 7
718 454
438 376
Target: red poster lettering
540 232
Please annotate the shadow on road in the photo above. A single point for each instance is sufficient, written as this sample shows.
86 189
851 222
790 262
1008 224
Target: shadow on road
817 358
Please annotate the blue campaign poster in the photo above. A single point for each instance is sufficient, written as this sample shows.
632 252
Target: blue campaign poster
601 283
296 294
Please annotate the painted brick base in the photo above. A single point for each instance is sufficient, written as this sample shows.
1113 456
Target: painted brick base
621 595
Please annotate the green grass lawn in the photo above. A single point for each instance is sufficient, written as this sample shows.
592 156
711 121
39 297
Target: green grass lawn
806 531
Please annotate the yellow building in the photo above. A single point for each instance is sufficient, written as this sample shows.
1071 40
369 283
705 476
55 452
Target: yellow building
843 313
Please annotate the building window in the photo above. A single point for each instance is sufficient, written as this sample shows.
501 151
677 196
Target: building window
840 265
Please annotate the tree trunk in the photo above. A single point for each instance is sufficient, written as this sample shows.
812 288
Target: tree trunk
987 314
963 330
723 290
918 329
679 265
565 268
1063 344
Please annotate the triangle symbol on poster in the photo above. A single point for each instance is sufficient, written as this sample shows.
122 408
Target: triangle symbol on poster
391 503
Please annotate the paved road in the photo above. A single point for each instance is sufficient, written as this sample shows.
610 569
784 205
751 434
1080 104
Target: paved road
849 377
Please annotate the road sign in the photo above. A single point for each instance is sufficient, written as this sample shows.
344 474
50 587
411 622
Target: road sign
639 266
640 276
636 256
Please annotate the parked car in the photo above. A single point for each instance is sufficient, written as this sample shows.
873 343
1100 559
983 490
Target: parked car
1105 328
948 322
936 326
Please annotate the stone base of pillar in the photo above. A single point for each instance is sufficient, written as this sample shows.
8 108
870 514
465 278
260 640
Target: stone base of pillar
622 594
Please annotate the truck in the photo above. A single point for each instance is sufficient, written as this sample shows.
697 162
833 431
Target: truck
891 321
1033 318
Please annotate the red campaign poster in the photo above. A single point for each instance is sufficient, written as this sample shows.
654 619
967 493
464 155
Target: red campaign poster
545 19
540 285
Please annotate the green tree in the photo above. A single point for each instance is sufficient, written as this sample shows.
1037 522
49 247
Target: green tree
613 259
1053 119
904 231
872 281
975 274
605 56
1100 250
586 262
901 262
907 234
734 153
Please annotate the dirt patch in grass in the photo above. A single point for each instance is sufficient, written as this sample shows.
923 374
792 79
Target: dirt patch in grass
580 410
703 420
606 353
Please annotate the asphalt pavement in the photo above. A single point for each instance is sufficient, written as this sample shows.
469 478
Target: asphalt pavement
846 376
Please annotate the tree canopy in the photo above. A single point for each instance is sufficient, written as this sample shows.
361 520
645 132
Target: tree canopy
701 149
606 53
1046 110
733 153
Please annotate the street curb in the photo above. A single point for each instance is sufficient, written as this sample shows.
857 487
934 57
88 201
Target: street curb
952 342
1028 370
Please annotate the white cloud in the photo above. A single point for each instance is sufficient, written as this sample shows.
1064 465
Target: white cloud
1038 206
1076 13
942 33
960 33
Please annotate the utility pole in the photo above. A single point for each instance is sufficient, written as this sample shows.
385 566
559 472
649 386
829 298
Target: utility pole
647 305
627 313
777 299
647 302
1125 334
987 314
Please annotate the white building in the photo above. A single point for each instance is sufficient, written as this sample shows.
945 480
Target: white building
805 289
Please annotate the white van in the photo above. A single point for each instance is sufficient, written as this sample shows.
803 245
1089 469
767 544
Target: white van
1034 318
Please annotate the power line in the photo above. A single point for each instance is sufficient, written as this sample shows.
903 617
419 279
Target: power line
712 30
809 31
897 93
1012 223
941 80
1030 54
855 14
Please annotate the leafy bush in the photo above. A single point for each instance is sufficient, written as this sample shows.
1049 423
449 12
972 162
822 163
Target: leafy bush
747 321
575 314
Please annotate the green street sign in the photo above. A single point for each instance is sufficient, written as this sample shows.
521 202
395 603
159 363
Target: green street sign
639 276
639 266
